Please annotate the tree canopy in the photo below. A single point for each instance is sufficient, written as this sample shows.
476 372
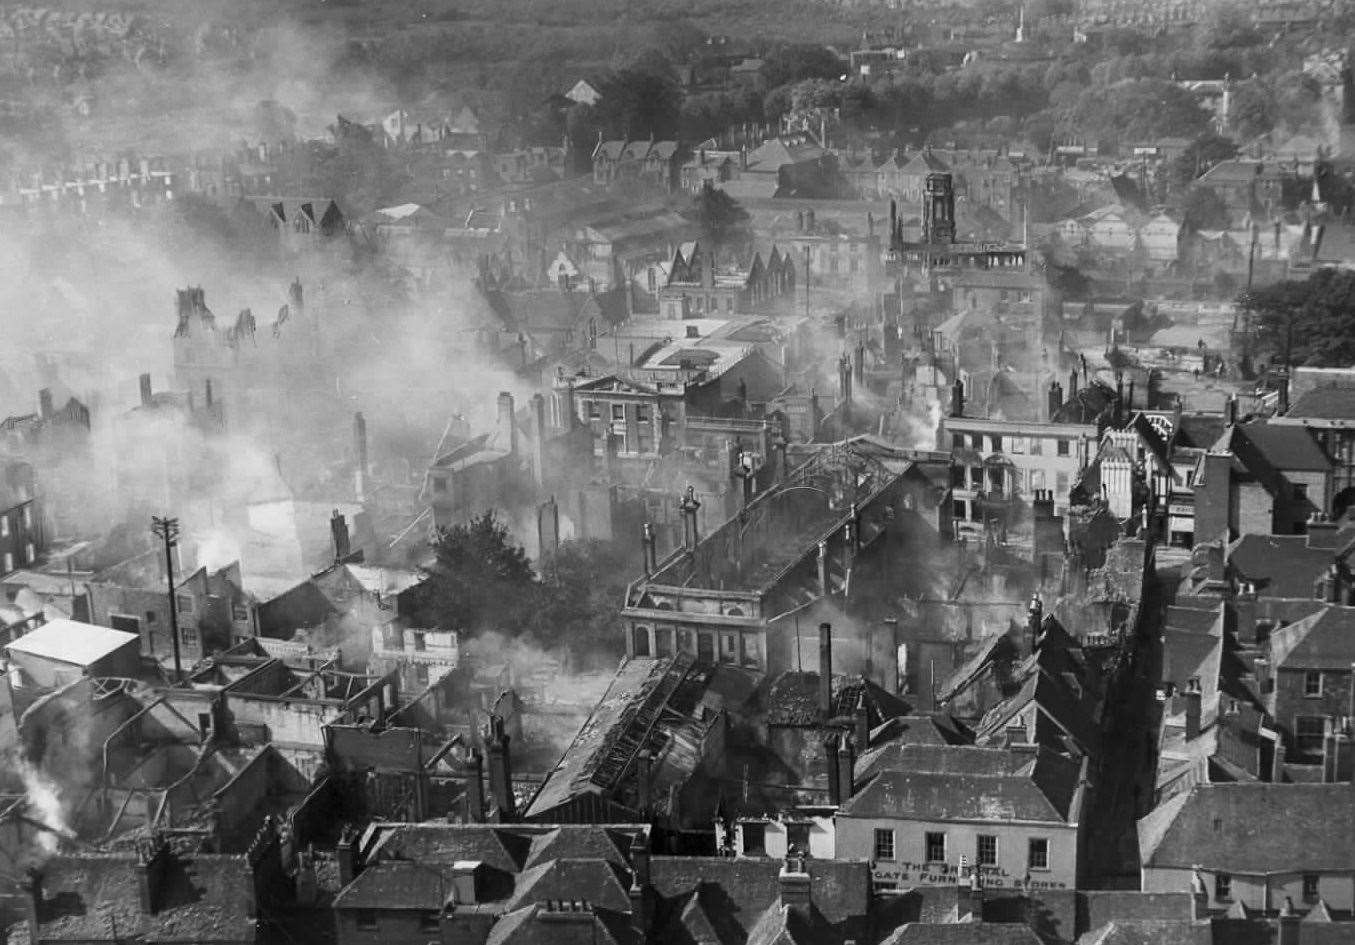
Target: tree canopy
481 581
1309 320
723 222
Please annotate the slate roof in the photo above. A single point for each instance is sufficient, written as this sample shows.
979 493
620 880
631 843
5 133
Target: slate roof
396 885
1151 932
987 786
1253 828
1280 446
1325 640
963 933
1325 403
1280 565
736 892
597 881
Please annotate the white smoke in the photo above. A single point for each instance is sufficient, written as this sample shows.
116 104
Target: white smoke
44 807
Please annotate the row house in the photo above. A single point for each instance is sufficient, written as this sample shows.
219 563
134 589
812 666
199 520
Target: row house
23 537
1118 230
649 162
697 286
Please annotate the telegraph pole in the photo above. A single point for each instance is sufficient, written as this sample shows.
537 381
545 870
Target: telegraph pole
168 530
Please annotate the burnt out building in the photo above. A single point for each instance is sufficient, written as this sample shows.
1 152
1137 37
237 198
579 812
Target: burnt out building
736 596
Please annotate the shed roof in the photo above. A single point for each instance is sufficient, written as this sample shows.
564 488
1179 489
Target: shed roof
70 641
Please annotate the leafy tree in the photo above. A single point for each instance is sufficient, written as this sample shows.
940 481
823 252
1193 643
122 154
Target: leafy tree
1202 154
723 222
1140 109
637 103
789 64
1309 320
478 577
1204 209
1254 109
582 585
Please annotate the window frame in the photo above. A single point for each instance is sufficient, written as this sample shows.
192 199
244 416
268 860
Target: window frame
991 859
1223 887
365 920
931 840
1312 684
884 840
1312 887
1042 862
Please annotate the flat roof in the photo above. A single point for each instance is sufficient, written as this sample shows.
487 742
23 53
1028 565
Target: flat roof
70 641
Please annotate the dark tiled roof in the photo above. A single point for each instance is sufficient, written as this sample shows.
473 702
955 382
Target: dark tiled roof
396 884
1323 641
1284 447
986 789
1279 565
1325 403
597 881
963 933
745 887
1253 828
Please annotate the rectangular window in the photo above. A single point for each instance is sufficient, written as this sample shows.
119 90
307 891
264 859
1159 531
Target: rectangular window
957 441
958 510
150 616
439 484
28 516
618 411
9 562
1312 682
976 441
239 613
428 922
642 414
997 443
1308 733
797 837
1063 448
1036 446
185 602
986 850
1310 887
420 641
1061 484
1037 856
936 847
754 839
4 526
189 636
884 844
366 920
1223 886
884 886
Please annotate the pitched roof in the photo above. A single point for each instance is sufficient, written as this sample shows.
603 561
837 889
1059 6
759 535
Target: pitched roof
1283 447
1325 403
971 784
1253 828
70 641
1280 565
597 881
1325 640
963 933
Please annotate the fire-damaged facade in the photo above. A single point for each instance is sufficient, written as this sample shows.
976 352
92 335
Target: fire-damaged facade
733 597
637 758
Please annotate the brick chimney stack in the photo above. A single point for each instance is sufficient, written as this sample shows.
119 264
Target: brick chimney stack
508 428
825 671
475 787
338 527
500 771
